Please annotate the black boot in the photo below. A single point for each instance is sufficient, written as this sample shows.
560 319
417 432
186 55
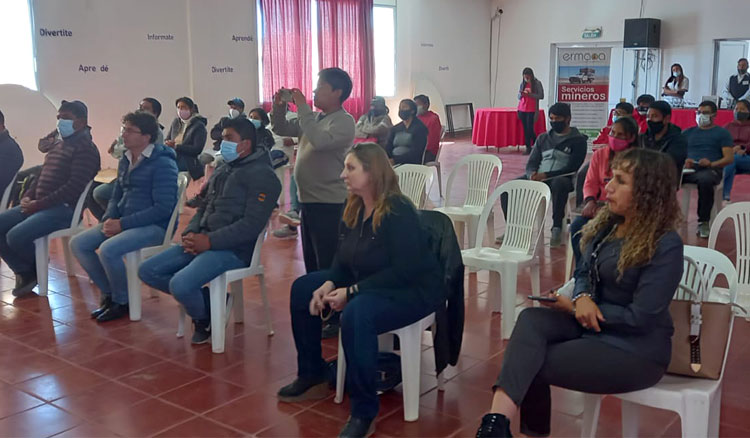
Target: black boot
25 283
202 331
304 389
357 428
113 312
494 426
104 304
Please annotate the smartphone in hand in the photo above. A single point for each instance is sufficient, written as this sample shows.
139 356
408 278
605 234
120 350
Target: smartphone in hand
543 299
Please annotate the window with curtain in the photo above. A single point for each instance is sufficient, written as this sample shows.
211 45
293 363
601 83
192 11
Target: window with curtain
18 50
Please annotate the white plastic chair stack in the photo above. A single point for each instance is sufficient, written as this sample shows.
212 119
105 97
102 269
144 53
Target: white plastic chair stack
134 259
697 401
410 340
41 245
739 214
528 203
436 163
480 168
415 182
221 306
6 194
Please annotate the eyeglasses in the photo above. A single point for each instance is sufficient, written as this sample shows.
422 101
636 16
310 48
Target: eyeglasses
131 131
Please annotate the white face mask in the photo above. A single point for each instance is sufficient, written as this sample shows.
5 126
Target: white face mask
183 114
233 113
703 119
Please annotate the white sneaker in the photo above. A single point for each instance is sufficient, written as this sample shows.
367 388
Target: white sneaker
291 217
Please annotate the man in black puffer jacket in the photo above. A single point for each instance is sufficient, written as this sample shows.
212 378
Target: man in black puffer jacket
241 195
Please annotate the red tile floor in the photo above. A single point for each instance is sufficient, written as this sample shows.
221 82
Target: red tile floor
61 374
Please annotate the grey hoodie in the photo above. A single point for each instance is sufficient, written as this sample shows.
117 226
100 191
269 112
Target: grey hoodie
555 154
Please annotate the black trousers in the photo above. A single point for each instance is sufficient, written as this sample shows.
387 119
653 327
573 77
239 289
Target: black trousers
547 348
560 187
706 180
527 121
320 227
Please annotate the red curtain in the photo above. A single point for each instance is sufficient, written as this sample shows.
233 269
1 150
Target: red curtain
345 40
287 47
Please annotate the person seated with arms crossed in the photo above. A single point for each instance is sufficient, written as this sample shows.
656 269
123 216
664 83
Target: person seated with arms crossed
622 109
642 104
664 136
72 161
624 135
555 158
187 136
142 202
739 129
408 139
434 128
375 125
103 192
236 109
221 235
383 277
11 157
614 335
709 150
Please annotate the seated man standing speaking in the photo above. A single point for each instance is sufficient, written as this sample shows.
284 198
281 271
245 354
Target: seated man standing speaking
221 236
137 216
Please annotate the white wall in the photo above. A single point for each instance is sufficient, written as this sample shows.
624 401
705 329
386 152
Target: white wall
688 29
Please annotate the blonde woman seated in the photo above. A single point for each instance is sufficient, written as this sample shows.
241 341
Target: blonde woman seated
614 335
383 277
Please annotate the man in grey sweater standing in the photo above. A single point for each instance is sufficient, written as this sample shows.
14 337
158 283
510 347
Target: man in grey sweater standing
324 139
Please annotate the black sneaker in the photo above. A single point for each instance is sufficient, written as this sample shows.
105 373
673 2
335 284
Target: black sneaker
330 330
194 202
494 426
202 331
113 312
357 428
301 390
104 304
25 283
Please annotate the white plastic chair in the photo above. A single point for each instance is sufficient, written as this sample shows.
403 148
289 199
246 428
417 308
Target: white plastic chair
436 163
739 214
528 203
410 340
687 191
134 259
41 245
697 401
221 307
414 181
6 194
480 168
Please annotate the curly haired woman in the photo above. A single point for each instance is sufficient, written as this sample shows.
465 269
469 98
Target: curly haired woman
614 335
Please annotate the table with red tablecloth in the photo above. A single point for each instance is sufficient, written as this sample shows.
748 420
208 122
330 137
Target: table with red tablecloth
501 127
685 117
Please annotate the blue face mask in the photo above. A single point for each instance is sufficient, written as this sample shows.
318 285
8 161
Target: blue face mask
229 151
255 123
614 118
65 127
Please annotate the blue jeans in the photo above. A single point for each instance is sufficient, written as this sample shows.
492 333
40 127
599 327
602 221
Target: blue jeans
293 198
107 269
18 232
183 275
363 319
575 236
740 165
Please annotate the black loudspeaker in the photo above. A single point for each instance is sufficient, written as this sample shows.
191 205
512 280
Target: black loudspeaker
642 32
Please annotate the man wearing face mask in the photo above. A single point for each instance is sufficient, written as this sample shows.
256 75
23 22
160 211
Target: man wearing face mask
738 86
236 109
434 129
221 236
739 128
642 105
376 124
408 139
664 136
555 157
709 150
72 161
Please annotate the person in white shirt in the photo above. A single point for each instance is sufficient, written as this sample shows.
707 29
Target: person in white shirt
676 86
738 86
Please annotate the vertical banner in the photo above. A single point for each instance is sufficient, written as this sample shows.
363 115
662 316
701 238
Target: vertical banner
583 82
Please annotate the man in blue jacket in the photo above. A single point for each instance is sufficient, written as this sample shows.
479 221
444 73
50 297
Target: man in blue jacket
221 236
142 202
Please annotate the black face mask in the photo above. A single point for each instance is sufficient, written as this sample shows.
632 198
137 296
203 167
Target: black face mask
558 126
741 116
741 71
642 110
655 127
405 114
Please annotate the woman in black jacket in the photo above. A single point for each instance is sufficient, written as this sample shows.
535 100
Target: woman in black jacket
408 139
614 335
383 277
530 92
187 135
